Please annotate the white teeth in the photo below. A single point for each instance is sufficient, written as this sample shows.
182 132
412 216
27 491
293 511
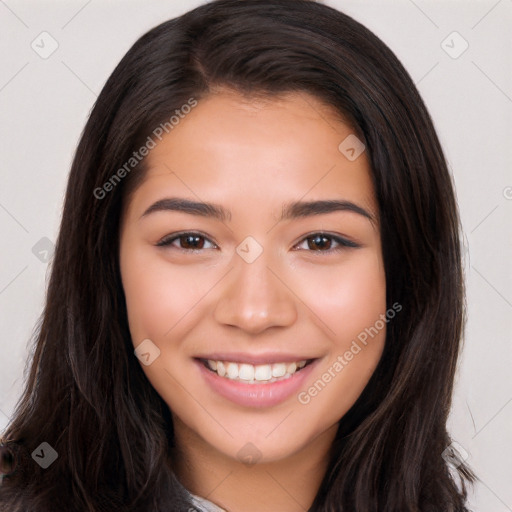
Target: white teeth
221 369
263 372
255 373
292 367
232 370
278 369
246 372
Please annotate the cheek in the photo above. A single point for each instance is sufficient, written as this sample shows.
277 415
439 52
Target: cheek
347 298
362 296
157 294
351 302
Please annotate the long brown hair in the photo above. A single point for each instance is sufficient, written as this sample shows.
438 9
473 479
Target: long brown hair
86 394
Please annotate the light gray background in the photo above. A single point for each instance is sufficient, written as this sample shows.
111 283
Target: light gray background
44 104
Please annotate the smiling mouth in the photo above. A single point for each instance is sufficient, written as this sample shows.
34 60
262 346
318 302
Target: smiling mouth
255 374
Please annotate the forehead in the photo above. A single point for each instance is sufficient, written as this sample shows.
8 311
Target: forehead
256 151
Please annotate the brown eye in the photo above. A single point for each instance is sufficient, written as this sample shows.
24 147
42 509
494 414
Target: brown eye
186 242
323 242
319 242
191 241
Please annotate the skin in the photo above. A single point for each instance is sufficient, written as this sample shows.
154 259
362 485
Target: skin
252 156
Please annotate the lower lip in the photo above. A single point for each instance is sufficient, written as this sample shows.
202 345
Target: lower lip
256 395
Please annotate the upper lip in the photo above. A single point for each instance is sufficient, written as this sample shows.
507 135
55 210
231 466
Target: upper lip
255 359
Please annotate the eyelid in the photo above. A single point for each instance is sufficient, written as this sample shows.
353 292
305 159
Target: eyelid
168 239
343 243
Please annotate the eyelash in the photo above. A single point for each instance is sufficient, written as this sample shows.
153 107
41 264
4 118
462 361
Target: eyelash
343 243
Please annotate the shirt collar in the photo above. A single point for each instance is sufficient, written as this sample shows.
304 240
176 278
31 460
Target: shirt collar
204 505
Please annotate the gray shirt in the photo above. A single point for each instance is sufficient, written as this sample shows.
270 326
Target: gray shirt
204 505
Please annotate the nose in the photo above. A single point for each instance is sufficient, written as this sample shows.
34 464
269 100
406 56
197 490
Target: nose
255 297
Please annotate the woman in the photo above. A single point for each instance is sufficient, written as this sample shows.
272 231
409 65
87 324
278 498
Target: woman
256 300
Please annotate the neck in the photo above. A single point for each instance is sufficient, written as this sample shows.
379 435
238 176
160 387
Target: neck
287 485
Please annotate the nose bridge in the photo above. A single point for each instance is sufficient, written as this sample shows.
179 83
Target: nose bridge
254 298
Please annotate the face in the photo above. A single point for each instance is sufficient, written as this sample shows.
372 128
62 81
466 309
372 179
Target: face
252 268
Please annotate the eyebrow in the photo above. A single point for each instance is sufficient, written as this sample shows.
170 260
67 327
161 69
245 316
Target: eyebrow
292 210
